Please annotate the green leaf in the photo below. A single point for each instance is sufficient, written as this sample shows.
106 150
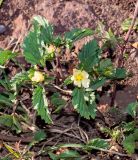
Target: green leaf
4 83
105 63
127 23
19 79
129 127
100 30
53 156
32 47
5 100
89 55
58 102
46 29
40 104
77 34
135 134
120 73
16 124
6 158
97 143
99 82
5 56
106 130
132 108
70 154
106 68
67 155
87 109
11 122
58 41
1 1
129 142
39 136
13 152
35 42
111 38
67 81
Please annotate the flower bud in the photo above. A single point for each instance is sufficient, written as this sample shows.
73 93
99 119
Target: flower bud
50 49
38 77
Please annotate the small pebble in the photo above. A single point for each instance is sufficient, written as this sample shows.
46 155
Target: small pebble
2 28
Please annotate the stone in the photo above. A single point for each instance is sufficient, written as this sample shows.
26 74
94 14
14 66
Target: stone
2 28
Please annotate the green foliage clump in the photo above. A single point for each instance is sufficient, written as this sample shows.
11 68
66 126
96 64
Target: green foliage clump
40 46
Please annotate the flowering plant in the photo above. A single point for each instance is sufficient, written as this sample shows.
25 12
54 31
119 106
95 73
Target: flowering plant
44 52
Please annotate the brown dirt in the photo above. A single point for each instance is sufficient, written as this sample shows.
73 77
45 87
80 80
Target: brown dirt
65 15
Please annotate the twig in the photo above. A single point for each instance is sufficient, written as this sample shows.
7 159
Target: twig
108 151
15 139
112 152
132 23
55 88
25 108
119 61
15 106
67 134
82 132
10 44
68 92
66 130
83 135
17 43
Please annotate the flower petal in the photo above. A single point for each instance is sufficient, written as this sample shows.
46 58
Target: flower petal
86 83
77 83
85 74
72 78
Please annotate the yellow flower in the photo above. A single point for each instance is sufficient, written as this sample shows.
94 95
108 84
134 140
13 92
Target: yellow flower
38 77
50 49
80 78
